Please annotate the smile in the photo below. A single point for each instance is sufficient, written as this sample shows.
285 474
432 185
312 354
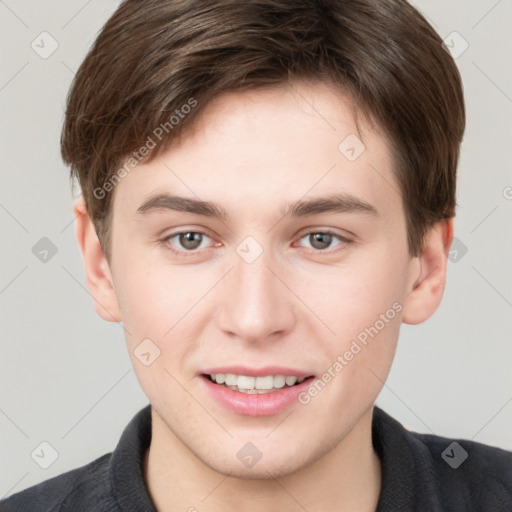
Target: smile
255 385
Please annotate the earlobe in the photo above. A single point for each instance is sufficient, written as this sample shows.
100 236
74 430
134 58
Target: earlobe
97 270
428 288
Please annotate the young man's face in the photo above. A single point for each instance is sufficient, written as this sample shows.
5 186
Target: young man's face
248 295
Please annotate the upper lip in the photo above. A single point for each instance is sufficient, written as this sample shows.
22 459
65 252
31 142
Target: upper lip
256 372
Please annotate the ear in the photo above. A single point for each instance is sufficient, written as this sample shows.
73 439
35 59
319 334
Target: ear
97 270
427 292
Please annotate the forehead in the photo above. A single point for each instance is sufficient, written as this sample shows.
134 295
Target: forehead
260 149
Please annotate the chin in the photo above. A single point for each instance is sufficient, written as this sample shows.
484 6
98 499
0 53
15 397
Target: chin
262 470
249 463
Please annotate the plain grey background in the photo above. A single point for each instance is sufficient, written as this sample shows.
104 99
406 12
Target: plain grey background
66 378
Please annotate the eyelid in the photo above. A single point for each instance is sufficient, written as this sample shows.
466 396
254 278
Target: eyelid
330 231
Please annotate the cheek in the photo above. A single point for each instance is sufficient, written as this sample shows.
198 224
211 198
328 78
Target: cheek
139 303
156 310
365 314
154 298
361 305
349 300
163 305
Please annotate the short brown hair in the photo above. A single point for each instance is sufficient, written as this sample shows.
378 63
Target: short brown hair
154 57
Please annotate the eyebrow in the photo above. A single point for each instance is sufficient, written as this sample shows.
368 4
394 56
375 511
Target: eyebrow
333 203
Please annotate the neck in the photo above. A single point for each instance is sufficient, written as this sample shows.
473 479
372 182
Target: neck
346 478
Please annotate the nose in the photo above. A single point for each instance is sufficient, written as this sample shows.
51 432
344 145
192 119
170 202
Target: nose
257 304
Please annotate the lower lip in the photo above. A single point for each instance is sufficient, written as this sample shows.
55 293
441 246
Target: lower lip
265 404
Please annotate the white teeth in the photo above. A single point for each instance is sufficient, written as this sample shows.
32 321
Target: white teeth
263 382
255 385
244 382
220 378
279 381
290 381
230 379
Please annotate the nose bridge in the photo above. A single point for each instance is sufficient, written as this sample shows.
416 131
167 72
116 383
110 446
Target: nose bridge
256 303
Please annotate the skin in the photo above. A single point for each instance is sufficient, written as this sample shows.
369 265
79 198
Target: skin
253 153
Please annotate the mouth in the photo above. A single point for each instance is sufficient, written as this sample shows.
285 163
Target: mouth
264 393
255 385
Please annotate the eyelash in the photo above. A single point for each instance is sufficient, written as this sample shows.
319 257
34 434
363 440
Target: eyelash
185 253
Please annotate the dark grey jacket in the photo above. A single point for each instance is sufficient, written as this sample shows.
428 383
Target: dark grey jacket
420 473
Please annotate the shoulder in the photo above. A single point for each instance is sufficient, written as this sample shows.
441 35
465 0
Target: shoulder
112 482
467 470
84 489
446 474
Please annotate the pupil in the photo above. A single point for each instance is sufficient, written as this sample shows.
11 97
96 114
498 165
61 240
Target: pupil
190 240
324 239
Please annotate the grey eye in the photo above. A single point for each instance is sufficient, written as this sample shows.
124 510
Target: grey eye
190 240
320 240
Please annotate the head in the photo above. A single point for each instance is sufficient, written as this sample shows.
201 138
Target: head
251 112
